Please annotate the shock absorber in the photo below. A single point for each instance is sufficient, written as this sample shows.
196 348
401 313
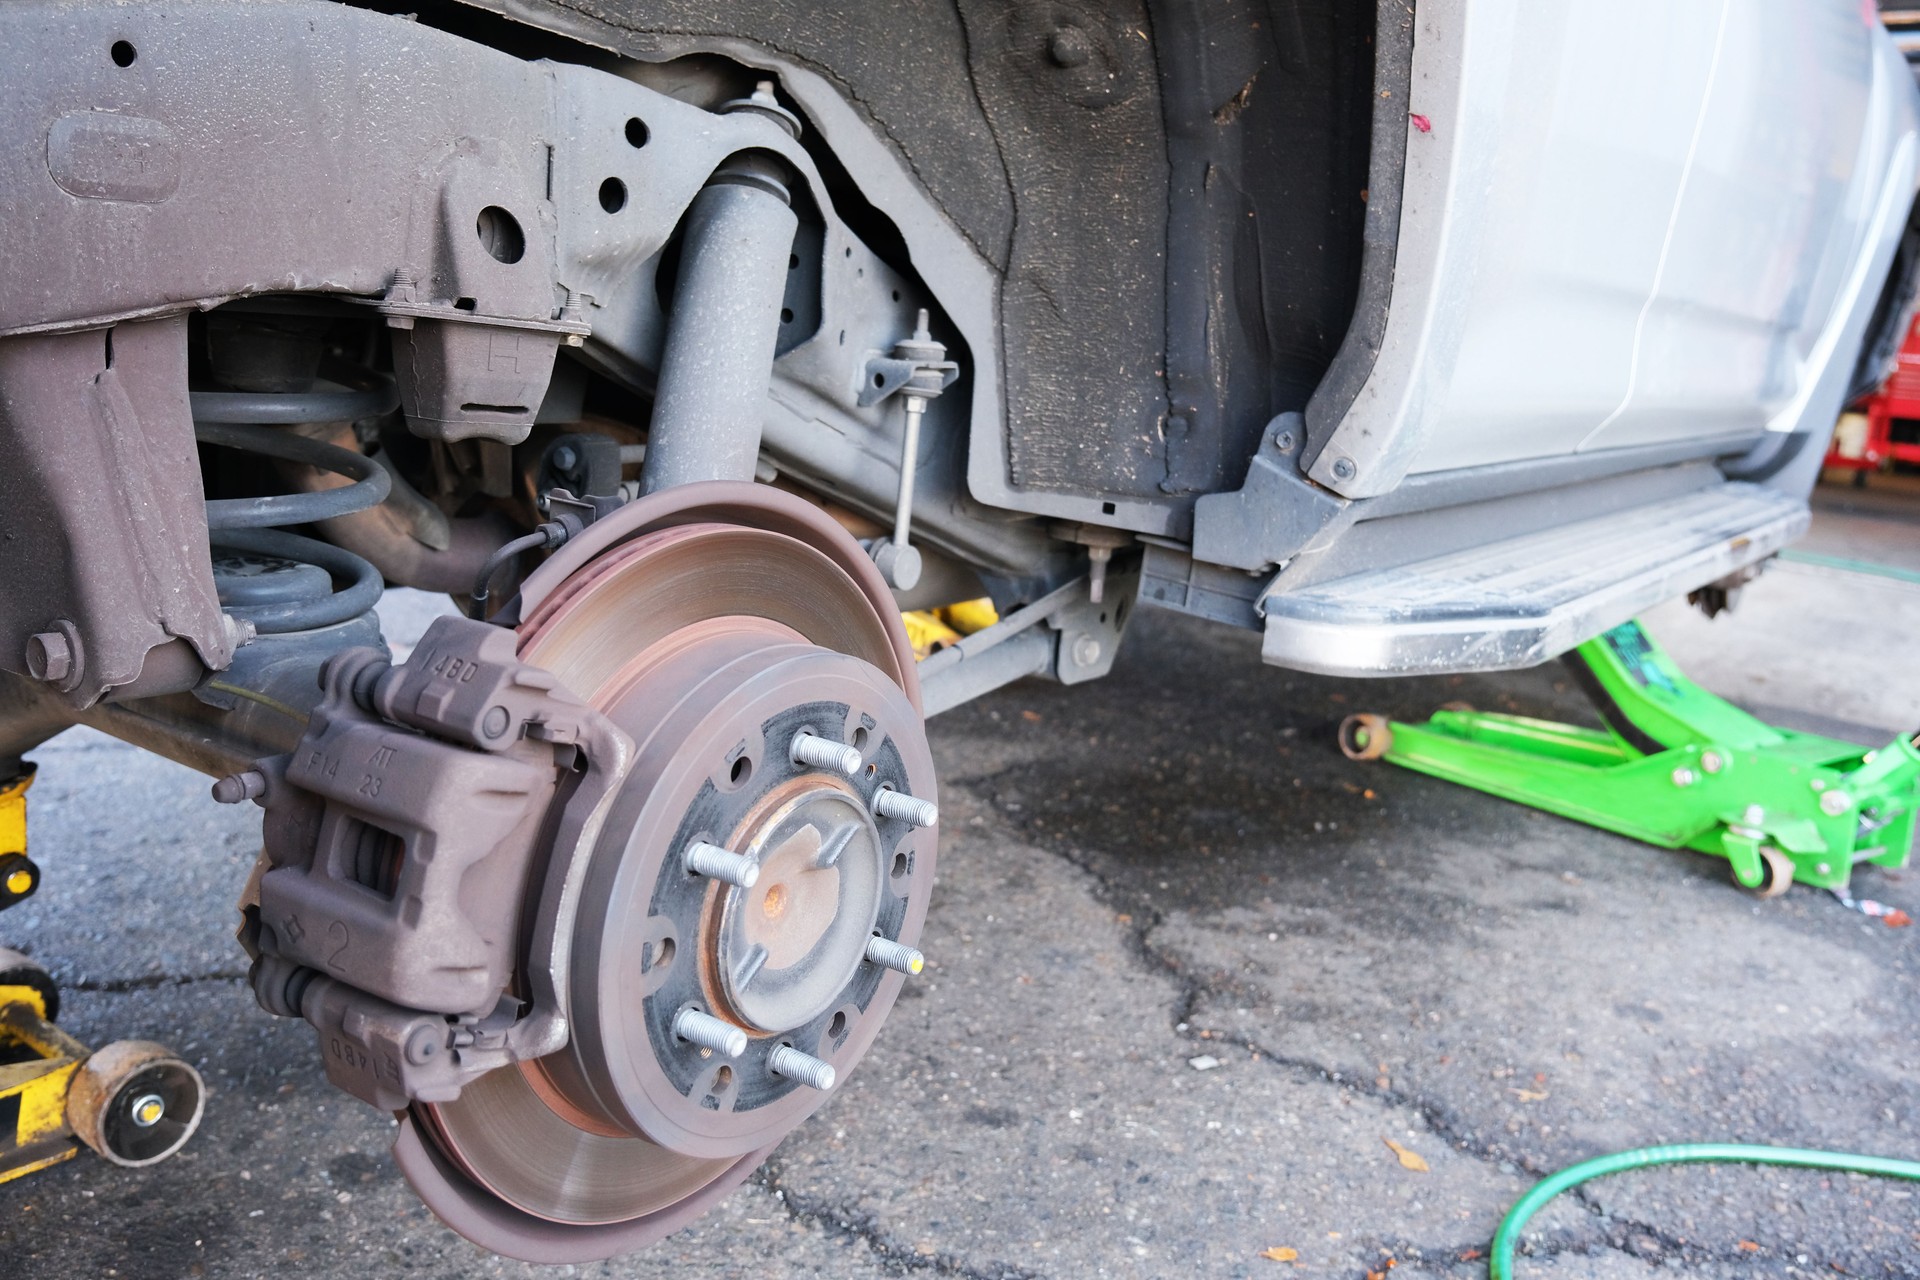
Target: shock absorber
253 422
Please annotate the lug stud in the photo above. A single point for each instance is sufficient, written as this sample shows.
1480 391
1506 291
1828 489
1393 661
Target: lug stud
710 1032
710 860
802 1068
809 748
889 954
889 803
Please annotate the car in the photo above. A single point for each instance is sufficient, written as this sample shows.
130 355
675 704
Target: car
689 347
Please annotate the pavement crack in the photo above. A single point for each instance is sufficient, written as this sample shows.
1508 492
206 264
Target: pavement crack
119 986
1141 919
854 1224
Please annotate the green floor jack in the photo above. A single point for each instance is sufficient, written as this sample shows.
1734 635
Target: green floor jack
1676 767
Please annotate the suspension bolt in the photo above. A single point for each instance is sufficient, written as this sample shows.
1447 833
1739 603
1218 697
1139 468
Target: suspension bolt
889 803
710 1032
49 657
809 748
803 1068
889 954
1834 803
236 787
703 859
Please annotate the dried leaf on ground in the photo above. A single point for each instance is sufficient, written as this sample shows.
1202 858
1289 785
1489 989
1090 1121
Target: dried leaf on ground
1408 1159
1280 1253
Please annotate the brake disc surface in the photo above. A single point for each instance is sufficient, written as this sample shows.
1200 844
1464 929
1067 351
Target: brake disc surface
712 645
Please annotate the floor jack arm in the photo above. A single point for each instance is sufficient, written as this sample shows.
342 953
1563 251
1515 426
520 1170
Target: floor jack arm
1677 767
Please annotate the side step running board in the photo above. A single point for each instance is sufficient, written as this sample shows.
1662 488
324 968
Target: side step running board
1521 601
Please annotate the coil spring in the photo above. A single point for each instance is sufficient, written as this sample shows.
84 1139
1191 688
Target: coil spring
248 421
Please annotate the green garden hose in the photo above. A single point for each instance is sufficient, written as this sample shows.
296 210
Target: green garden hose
1500 1257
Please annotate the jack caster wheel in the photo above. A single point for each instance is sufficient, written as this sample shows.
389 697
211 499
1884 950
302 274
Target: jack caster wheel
1776 873
135 1103
1365 737
19 877
17 970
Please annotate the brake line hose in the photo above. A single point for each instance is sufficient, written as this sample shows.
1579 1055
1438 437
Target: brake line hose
1500 1256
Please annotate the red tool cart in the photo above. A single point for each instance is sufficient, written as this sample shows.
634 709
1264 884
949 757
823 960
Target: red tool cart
1897 397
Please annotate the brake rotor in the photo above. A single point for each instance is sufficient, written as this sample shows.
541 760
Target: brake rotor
715 646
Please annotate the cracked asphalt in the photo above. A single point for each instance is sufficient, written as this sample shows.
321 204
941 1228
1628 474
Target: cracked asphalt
1190 973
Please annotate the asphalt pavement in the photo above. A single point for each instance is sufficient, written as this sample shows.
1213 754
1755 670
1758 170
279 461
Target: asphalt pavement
1191 973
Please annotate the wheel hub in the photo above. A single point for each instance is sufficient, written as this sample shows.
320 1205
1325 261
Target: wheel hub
749 867
786 947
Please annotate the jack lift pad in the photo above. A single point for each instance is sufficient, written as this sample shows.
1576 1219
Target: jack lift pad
1675 767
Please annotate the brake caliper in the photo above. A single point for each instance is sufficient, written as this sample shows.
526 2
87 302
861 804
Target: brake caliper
403 843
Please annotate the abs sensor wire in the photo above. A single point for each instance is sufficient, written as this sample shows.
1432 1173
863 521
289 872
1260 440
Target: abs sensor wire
551 534
1500 1255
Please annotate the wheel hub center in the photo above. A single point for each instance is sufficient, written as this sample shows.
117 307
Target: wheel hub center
787 946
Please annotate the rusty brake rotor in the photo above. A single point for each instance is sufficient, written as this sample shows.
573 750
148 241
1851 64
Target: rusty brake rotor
749 898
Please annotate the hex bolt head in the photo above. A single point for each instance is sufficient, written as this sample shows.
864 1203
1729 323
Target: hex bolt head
1834 803
49 657
236 787
1683 777
1086 651
809 748
1712 761
889 954
802 1068
889 803
710 860
564 457
710 1032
